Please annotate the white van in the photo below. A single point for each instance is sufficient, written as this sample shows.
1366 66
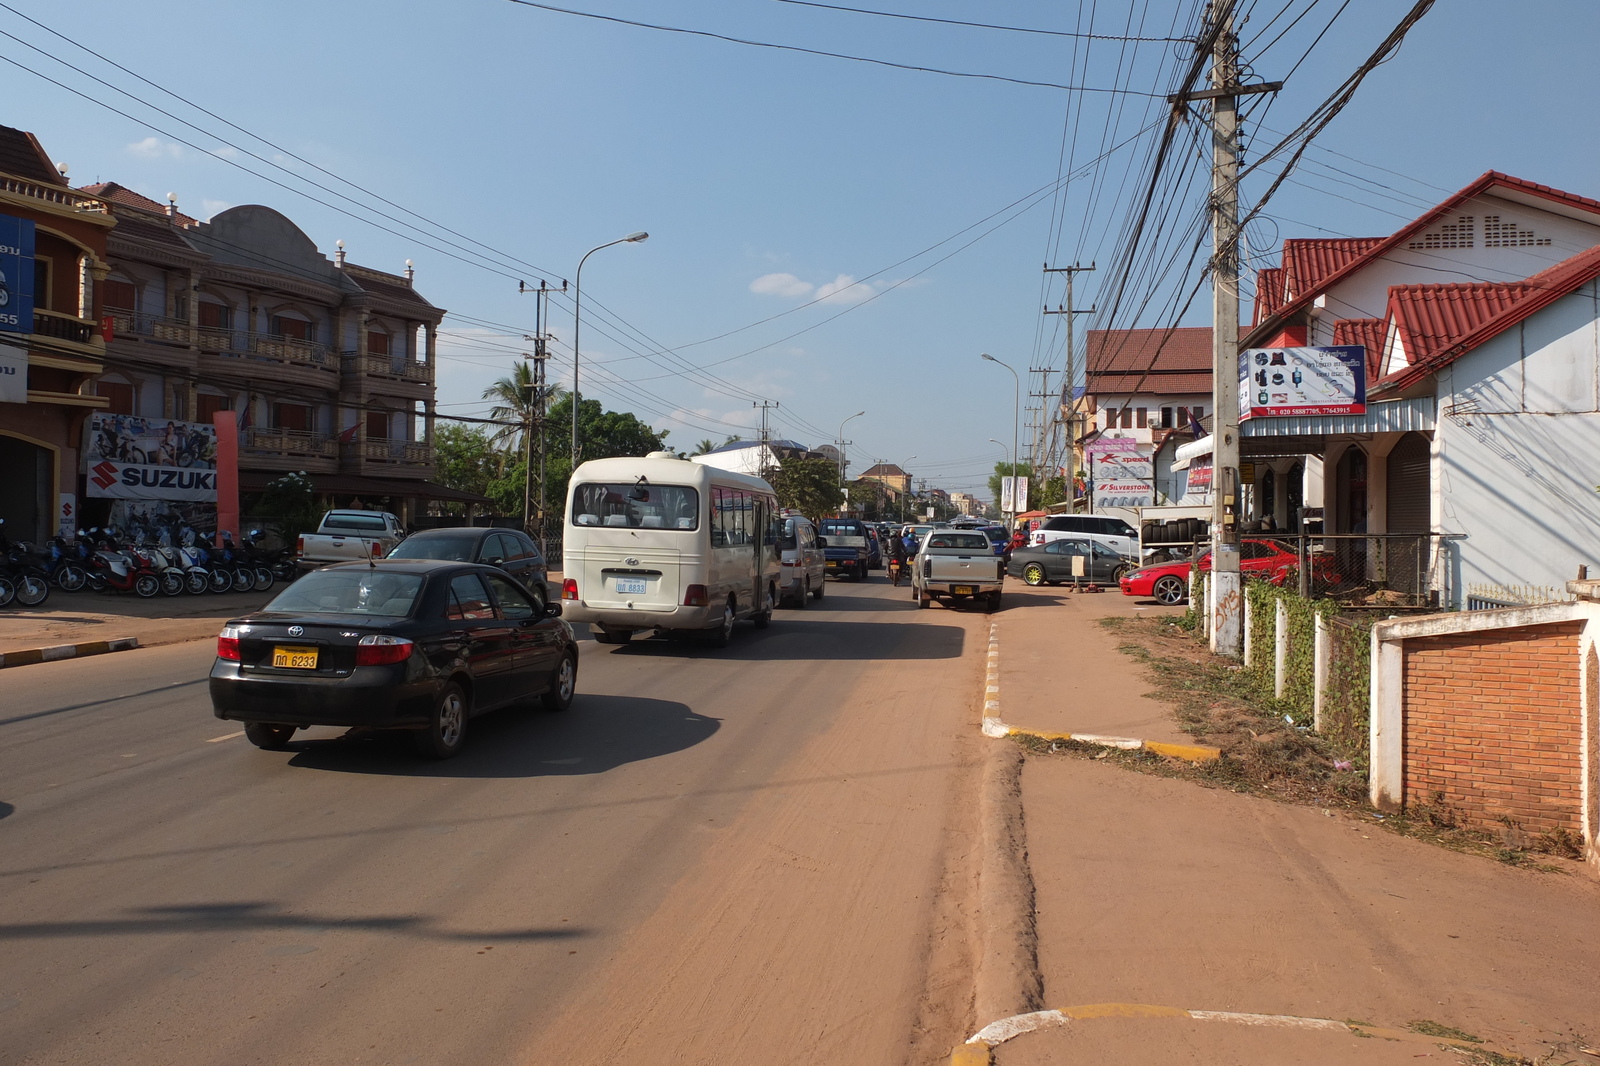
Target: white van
660 543
1114 533
805 567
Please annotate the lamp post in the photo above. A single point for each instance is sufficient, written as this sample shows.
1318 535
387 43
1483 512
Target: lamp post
839 440
1016 418
577 292
1005 457
907 491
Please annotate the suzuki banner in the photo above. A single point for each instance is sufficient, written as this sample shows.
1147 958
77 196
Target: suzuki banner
131 458
16 274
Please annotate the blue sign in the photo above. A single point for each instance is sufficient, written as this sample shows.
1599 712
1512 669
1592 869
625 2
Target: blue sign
16 275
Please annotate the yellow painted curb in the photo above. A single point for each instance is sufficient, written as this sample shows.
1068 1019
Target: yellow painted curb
971 1055
1188 752
1191 752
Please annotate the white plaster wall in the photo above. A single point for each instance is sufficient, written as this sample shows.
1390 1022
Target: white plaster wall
1366 293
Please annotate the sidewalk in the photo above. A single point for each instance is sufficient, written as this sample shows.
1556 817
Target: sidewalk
77 617
1160 900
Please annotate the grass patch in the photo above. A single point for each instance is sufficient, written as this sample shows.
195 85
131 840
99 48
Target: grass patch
1429 1028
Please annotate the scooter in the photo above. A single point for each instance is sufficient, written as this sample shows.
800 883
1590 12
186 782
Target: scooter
115 571
26 582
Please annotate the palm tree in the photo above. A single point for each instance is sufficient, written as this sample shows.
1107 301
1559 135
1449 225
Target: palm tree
703 447
517 404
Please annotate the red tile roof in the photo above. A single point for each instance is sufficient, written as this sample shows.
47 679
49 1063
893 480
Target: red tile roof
1149 360
1371 333
121 194
1440 323
1269 294
1299 298
22 154
392 286
1308 263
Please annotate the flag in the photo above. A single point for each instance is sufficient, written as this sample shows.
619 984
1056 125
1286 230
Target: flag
350 434
1194 426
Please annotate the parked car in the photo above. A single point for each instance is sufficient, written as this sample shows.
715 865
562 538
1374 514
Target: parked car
421 645
345 535
509 549
997 536
805 569
958 567
1052 563
847 547
1114 533
1271 560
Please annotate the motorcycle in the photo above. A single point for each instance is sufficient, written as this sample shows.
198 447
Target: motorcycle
249 559
897 569
116 571
242 577
65 572
26 582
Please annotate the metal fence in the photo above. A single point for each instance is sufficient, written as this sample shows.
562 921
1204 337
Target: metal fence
1375 570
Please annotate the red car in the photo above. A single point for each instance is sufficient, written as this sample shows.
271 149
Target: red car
1168 583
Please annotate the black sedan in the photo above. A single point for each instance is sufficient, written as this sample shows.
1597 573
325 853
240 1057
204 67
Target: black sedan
509 549
416 645
1052 563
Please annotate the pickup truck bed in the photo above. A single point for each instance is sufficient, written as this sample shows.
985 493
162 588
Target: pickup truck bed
956 567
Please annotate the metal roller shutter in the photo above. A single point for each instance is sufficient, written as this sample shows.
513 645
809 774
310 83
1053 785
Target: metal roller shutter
1408 485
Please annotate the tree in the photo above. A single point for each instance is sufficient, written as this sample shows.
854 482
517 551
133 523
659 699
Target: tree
703 447
467 457
290 504
810 486
516 402
1008 470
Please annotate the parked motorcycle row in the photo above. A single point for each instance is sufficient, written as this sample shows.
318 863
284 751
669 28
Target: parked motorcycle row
100 560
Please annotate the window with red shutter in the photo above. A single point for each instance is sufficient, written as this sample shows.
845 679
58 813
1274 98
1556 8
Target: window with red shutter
378 343
292 416
207 404
120 395
291 327
118 295
216 316
377 425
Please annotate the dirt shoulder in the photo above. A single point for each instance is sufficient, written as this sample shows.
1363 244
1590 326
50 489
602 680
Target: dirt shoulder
72 618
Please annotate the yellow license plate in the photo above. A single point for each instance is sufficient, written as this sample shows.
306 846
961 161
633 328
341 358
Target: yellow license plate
962 590
290 657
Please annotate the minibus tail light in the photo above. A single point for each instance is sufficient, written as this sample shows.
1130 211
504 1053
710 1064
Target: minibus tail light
569 589
696 596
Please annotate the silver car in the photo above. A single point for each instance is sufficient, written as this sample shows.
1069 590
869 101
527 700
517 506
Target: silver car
805 568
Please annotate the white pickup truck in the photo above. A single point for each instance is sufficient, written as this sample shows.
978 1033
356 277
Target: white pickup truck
955 566
344 536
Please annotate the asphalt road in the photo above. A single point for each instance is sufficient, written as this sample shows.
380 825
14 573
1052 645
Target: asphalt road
750 855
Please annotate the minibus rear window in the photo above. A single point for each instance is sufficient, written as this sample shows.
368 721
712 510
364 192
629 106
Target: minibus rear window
637 506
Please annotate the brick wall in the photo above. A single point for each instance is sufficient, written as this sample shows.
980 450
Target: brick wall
1493 725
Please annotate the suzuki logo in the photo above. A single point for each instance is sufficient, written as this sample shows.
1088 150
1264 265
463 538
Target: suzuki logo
105 474
297 631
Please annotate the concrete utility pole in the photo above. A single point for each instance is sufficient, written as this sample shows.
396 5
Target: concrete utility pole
534 519
1226 593
1070 376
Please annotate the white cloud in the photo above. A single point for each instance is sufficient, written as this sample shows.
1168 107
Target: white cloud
844 289
213 207
780 285
155 148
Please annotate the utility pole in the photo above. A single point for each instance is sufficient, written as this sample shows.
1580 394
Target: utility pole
1226 592
766 435
1070 376
534 520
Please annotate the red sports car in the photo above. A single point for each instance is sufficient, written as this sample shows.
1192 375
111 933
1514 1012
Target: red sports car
1169 582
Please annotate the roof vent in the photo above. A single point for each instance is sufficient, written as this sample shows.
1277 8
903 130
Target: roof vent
661 455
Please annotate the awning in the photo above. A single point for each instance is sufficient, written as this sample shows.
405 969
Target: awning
1268 438
375 487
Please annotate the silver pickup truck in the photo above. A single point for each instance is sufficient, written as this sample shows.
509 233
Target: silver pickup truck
349 535
955 566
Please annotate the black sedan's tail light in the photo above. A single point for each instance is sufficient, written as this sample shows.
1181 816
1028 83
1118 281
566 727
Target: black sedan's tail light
380 649
228 644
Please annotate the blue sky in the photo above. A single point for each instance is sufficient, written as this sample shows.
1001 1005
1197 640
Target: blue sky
771 179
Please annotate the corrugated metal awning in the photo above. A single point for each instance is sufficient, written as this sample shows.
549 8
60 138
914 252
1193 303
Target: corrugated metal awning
1390 416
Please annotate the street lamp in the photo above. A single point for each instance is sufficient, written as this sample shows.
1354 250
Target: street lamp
1006 458
1016 418
907 491
840 441
577 290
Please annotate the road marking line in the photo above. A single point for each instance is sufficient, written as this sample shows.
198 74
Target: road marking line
230 736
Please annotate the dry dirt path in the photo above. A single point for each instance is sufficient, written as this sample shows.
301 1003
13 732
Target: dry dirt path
715 857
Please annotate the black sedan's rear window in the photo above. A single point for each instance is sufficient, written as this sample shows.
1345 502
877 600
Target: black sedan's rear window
372 592
454 547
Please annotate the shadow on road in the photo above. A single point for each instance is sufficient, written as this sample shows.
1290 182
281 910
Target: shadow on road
6 809
599 733
796 638
257 917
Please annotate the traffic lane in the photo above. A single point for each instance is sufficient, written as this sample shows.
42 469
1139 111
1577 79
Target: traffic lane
229 894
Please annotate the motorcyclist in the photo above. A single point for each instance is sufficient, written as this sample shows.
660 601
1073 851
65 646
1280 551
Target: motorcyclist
897 557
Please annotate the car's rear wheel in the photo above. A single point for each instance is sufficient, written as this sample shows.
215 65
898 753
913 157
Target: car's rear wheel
822 586
1170 590
722 635
1033 574
992 602
268 737
563 684
764 618
442 737
923 600
1119 573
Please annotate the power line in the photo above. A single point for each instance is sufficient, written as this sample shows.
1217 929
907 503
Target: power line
819 52
979 25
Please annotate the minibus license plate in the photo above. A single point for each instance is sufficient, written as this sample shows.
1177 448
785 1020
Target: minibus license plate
962 590
290 657
631 586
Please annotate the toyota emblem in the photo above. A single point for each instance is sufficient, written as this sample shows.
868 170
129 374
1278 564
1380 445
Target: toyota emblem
297 631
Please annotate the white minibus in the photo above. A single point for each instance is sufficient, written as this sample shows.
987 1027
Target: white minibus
661 543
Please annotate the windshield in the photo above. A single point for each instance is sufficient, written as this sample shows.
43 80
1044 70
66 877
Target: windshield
964 541
640 505
372 523
454 548
842 529
354 591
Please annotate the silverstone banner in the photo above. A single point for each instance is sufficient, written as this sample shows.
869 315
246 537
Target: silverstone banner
1120 470
131 458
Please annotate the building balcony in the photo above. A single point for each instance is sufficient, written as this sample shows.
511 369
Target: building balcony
398 452
296 443
397 368
64 327
70 199
288 350
150 327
